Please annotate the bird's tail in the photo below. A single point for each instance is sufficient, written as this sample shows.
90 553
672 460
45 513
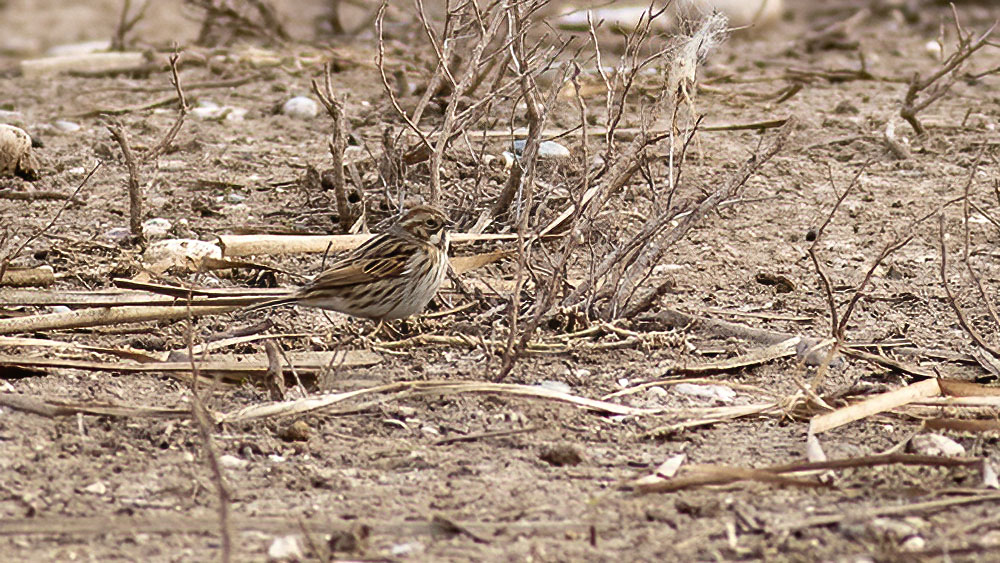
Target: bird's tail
271 303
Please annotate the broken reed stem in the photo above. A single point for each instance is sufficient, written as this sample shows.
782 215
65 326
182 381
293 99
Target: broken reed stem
102 316
117 131
5 262
338 144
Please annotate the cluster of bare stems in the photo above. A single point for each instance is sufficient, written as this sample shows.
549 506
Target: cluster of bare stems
924 91
496 53
133 163
127 19
988 349
226 20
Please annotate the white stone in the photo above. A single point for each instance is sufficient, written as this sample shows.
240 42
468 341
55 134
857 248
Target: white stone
83 48
301 107
98 488
557 386
546 149
657 391
717 392
232 462
285 548
156 228
180 253
936 444
404 549
933 48
913 543
172 165
66 126
210 110
117 234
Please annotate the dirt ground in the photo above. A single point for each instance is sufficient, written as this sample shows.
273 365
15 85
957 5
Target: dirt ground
378 479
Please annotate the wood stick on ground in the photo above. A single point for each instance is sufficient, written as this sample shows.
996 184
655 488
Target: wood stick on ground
102 317
56 408
36 195
161 522
22 277
231 368
247 245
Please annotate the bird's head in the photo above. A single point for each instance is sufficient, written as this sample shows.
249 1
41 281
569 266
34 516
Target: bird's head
425 223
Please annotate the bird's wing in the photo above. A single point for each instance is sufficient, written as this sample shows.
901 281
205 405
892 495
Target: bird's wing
389 262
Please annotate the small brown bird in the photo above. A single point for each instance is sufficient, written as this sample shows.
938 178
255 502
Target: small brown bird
391 276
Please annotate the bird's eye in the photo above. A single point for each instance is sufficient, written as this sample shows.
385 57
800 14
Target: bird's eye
432 223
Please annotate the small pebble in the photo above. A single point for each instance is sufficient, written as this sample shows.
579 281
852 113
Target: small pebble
301 107
98 488
66 126
117 234
657 391
212 110
546 149
555 386
718 392
561 455
297 431
7 116
60 309
235 198
172 165
84 48
403 549
232 462
933 48
913 543
77 171
936 445
285 548
156 228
